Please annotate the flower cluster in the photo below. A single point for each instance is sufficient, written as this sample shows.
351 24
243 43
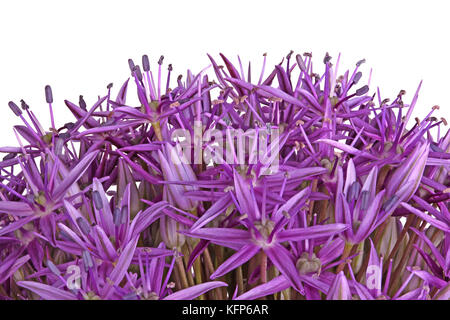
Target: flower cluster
295 185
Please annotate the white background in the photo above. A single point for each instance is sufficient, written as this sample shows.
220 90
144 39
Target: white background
80 46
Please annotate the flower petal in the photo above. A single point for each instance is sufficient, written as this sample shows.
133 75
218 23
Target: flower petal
195 291
240 257
275 285
319 231
47 292
283 260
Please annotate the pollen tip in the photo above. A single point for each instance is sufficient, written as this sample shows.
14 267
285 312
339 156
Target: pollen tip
24 105
98 202
48 94
137 72
82 103
363 90
14 108
145 63
131 64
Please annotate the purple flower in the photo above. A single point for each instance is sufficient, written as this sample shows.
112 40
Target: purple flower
222 186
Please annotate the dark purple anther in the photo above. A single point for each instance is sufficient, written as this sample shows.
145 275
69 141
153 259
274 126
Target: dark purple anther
87 260
160 61
390 203
24 105
363 90
360 62
117 216
130 296
53 268
64 136
48 94
300 62
9 156
82 103
131 64
327 58
98 202
357 77
365 200
109 86
69 125
83 225
435 148
353 191
124 214
138 73
170 67
288 56
64 235
14 108
145 63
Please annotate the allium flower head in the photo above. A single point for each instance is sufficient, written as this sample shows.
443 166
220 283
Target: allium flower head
226 184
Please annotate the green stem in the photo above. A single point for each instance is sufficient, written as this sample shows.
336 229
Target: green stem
347 249
182 272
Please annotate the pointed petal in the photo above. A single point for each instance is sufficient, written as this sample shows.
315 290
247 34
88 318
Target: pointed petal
434 222
284 261
47 292
242 256
410 169
122 95
17 224
443 294
104 245
104 216
195 291
275 285
221 235
369 218
347 148
242 190
16 208
147 217
74 175
319 231
293 201
216 209
121 267
282 95
339 289
430 279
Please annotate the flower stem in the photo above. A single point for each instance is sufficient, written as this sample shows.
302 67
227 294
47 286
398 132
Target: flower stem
181 272
263 267
347 249
209 270
157 129
408 224
188 273
396 276
240 280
